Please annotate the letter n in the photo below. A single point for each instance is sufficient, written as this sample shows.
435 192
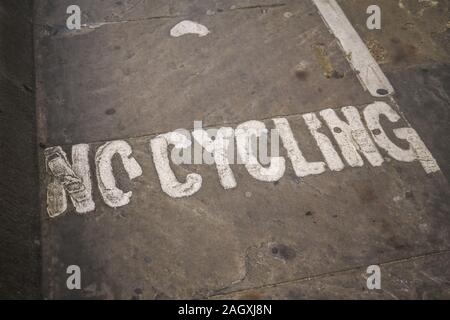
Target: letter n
65 178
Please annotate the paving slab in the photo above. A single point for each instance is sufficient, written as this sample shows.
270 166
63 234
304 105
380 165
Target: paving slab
53 13
129 80
258 233
19 197
424 94
413 49
421 278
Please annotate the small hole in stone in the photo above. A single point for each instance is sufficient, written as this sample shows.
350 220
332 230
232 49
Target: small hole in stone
110 111
337 130
376 132
382 92
274 250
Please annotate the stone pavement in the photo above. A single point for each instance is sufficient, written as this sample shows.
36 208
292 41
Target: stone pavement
107 94
20 265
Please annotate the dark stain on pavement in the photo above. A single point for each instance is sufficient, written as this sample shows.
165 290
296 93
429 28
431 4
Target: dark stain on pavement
301 74
284 252
110 111
402 52
367 194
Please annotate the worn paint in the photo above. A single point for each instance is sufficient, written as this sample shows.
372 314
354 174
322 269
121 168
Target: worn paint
167 178
301 166
219 148
417 150
352 137
113 196
189 27
247 131
74 179
325 145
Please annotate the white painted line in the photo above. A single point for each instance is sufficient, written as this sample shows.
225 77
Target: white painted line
368 71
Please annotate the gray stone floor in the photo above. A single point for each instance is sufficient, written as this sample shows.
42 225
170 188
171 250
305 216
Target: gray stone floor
19 198
124 77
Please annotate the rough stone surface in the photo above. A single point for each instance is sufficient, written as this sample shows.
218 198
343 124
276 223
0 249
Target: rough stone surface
246 68
123 77
418 278
19 202
413 49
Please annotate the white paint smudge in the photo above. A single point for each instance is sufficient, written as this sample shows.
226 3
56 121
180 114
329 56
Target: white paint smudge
169 183
244 133
189 27
330 154
218 148
113 196
352 137
301 166
75 180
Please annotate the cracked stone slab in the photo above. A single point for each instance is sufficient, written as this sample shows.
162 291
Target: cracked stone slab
53 12
413 50
425 98
119 78
130 79
258 234
423 278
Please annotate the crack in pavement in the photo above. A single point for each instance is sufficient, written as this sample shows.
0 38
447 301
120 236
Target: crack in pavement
209 126
331 273
95 25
